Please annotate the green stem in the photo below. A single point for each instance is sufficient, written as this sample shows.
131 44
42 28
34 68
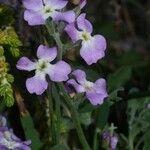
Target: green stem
131 146
51 29
59 44
75 118
95 146
55 34
52 117
57 108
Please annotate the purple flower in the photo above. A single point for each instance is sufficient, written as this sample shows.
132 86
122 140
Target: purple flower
38 11
93 47
112 140
57 72
95 92
8 141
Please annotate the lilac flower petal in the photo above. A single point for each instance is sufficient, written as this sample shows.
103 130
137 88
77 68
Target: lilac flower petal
15 138
56 4
100 42
79 75
82 3
93 50
48 54
78 87
84 24
3 129
72 32
68 16
33 18
33 4
114 141
59 72
100 87
98 93
2 147
1 135
28 142
25 64
36 85
95 98
22 147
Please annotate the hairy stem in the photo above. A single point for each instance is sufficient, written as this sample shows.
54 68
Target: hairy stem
52 116
52 31
75 118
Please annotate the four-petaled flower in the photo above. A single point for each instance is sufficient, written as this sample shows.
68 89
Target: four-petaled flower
38 11
93 47
8 141
95 92
57 72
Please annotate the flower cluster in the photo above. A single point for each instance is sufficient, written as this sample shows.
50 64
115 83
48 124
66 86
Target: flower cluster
95 92
8 140
38 11
79 29
93 47
57 72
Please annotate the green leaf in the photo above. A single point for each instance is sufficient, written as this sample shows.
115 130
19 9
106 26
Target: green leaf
86 107
30 132
102 115
119 78
10 40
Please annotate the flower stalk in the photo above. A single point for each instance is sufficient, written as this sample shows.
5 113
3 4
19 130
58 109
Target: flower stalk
67 100
75 117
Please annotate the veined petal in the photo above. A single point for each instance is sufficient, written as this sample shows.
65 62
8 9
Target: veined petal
48 54
33 18
59 72
36 85
32 4
84 24
93 50
56 4
72 32
25 64
76 86
68 16
79 75
82 3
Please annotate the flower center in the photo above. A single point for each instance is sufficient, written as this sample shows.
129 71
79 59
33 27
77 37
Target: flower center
85 36
41 65
88 85
7 141
48 10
